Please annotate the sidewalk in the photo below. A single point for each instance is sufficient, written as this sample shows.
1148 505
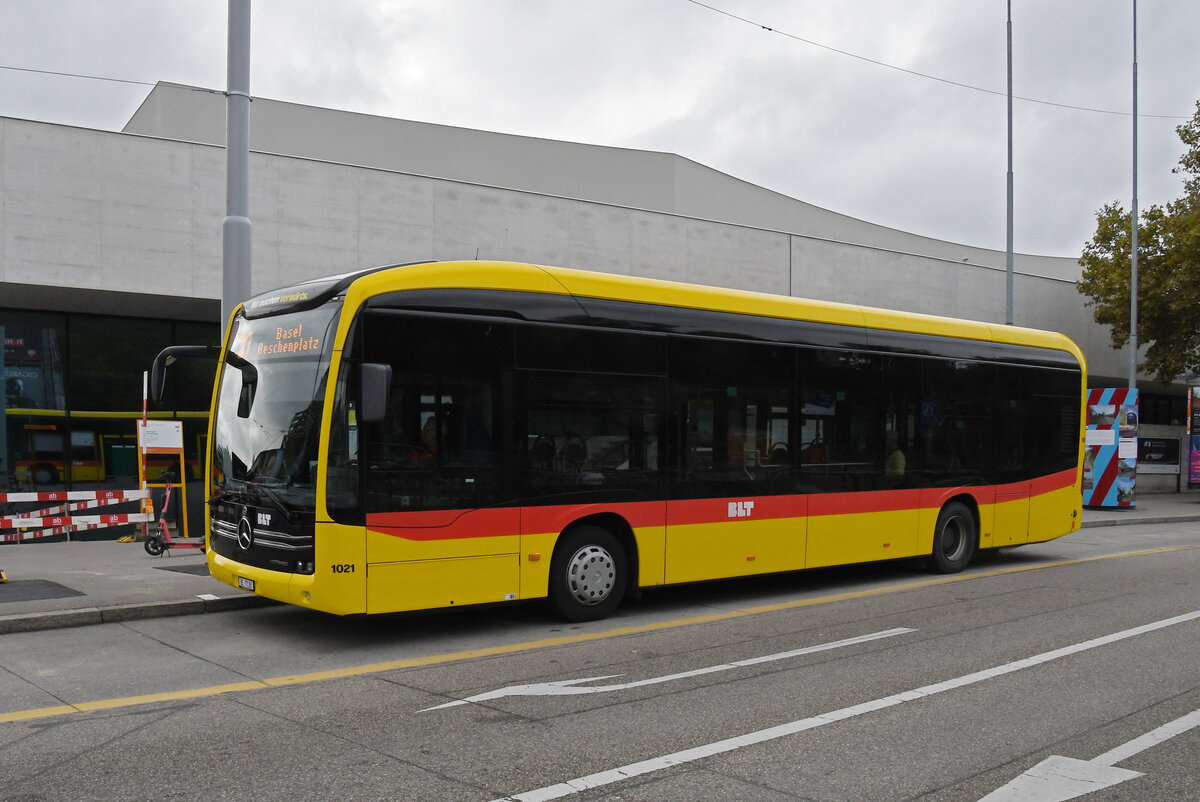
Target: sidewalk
78 583
54 585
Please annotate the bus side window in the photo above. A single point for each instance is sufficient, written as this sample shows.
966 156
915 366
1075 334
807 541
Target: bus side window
1037 422
439 444
583 434
957 399
841 436
733 404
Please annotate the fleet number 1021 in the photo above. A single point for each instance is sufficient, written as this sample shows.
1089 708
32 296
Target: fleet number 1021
344 568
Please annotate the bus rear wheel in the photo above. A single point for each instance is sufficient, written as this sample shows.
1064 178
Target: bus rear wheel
588 574
45 475
955 539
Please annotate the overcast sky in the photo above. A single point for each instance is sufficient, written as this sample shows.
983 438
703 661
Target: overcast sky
853 131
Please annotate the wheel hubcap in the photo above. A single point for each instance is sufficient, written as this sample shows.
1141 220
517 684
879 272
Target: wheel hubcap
954 539
591 575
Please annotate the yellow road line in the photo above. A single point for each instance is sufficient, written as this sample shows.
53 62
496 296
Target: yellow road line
516 648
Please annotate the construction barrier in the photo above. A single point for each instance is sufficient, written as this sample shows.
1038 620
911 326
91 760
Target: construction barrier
58 520
107 496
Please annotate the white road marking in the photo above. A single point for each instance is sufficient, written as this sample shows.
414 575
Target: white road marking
611 776
573 687
1058 778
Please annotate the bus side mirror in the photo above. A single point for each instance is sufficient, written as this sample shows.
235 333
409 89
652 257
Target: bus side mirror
249 383
376 383
158 371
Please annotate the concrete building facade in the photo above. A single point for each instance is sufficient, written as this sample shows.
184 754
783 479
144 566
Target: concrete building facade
128 224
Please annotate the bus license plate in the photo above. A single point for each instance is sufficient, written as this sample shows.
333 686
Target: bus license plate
245 584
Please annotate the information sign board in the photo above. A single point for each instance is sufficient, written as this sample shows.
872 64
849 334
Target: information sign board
1111 448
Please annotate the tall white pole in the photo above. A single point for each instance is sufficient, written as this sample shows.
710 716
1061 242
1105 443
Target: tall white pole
235 229
1008 284
1133 222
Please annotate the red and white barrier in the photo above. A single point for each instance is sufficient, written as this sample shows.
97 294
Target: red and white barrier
17 537
56 520
106 496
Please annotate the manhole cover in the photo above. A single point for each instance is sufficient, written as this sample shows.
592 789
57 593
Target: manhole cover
19 590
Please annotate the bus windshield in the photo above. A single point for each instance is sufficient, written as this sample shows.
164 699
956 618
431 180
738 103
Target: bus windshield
268 417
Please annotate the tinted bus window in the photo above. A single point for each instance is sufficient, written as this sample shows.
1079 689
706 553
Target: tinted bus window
441 445
957 400
1037 419
585 435
733 407
842 441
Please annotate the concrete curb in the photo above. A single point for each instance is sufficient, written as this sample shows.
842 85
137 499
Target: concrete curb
1162 519
87 616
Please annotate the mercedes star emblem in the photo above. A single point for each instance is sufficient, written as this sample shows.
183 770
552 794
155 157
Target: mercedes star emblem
245 534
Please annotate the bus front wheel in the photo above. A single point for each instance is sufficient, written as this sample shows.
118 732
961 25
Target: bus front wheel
955 539
588 574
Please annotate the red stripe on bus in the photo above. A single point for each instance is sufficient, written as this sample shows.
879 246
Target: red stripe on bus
447 524
506 521
1055 481
639 514
875 501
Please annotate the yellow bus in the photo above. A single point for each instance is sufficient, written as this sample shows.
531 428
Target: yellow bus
458 433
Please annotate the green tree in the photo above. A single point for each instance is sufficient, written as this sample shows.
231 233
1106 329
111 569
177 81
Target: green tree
1168 271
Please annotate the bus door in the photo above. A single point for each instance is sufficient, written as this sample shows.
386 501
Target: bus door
861 461
439 531
734 509
120 454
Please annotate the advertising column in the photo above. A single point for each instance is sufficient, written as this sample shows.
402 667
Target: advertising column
1193 436
1110 457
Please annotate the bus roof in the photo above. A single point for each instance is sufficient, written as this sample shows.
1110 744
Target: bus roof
493 275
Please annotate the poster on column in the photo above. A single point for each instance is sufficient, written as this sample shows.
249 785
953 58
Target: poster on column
1194 435
1110 453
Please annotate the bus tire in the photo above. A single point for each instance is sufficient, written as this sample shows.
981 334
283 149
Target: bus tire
154 545
955 539
45 475
588 574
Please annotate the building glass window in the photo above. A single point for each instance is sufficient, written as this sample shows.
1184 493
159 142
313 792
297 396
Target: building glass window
32 439
1162 410
33 363
73 387
190 387
106 359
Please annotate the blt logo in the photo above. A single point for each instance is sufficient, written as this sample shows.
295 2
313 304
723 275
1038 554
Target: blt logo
740 509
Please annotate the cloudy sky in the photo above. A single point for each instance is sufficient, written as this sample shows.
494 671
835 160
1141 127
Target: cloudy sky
893 112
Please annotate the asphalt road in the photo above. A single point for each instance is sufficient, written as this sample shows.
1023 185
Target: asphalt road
1074 664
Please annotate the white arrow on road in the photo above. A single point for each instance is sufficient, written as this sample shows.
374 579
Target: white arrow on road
1059 778
574 686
